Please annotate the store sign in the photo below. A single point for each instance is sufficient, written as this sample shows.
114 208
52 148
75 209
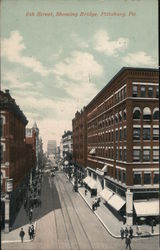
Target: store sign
9 185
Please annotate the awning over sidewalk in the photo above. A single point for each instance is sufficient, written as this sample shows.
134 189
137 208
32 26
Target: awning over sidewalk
116 202
147 208
86 180
93 151
90 182
106 194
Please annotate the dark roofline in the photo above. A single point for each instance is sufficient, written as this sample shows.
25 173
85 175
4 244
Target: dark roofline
117 75
8 103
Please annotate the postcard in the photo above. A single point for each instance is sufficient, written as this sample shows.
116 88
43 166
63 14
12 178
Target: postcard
79 124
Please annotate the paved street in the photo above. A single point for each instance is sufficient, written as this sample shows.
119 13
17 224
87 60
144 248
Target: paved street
65 222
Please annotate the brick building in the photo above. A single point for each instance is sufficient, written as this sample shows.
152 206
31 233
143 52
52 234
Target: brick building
14 158
79 125
123 143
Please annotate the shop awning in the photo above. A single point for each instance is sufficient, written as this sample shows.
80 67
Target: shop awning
93 151
116 202
90 182
147 208
106 194
86 180
104 168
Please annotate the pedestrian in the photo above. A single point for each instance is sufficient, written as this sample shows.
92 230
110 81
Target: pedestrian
93 205
32 230
122 233
152 224
130 232
85 192
128 242
126 232
30 233
21 234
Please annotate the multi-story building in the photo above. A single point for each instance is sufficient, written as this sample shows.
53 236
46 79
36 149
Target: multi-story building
67 142
79 125
123 143
14 165
51 147
30 140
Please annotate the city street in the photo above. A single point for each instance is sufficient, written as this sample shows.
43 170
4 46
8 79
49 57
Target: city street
65 222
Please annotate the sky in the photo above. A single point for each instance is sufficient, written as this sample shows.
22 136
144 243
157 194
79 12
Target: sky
57 55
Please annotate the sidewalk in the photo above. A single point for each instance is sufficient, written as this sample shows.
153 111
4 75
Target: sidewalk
111 222
13 236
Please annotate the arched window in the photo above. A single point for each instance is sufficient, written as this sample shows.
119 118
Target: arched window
124 114
156 114
146 113
120 116
116 118
112 119
136 113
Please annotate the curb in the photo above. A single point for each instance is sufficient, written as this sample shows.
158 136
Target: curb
114 236
19 241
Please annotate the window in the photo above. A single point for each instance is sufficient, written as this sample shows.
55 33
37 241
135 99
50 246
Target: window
157 92
124 177
120 154
156 178
116 174
1 153
116 118
116 135
146 155
155 133
146 134
125 91
155 154
119 96
146 113
120 116
124 115
120 135
122 94
136 113
136 133
134 91
156 114
147 178
125 134
117 154
143 91
136 154
125 154
137 179
150 91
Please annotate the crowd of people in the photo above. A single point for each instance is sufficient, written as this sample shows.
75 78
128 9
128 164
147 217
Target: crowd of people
127 234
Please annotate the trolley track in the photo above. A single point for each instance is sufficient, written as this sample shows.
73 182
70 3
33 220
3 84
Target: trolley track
61 183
